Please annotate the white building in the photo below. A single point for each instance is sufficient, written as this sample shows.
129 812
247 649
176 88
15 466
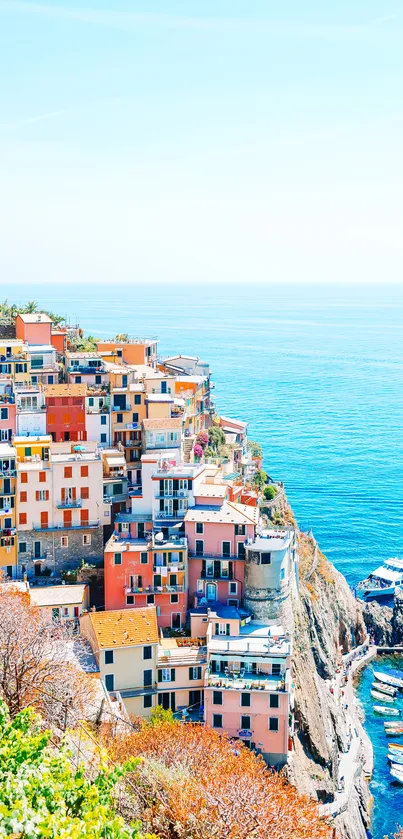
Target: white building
98 417
44 366
31 411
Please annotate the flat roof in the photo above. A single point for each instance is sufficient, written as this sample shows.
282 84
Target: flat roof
271 540
41 348
35 317
58 595
211 491
159 397
125 627
7 450
151 424
230 512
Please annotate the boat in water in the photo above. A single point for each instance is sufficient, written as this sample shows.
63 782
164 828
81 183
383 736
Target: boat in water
382 688
396 774
386 712
395 747
382 697
383 581
394 757
389 680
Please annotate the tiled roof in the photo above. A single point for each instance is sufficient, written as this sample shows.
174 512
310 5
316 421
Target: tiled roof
125 628
150 424
37 317
66 390
57 595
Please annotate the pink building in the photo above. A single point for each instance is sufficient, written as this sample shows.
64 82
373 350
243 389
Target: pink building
248 692
34 328
7 410
216 535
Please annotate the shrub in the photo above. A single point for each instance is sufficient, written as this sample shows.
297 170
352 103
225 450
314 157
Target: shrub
197 451
270 492
202 439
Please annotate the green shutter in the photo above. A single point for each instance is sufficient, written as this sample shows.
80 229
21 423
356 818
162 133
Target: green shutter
199 672
160 675
173 674
191 673
216 629
227 629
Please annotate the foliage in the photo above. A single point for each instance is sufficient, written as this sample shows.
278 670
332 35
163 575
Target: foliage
122 338
196 784
259 478
255 448
42 796
202 439
9 311
270 492
34 666
197 451
209 452
83 344
216 437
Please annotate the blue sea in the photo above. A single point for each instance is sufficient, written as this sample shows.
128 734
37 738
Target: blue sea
317 372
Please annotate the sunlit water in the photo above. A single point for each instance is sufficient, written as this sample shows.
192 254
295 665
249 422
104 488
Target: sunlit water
318 375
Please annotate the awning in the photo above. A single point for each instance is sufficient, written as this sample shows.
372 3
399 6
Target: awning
116 461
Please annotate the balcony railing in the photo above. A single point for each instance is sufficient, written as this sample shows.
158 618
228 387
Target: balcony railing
7 398
134 490
173 493
177 541
119 410
132 425
163 589
70 504
244 681
30 409
63 526
128 444
219 556
221 576
8 473
86 369
176 514
172 568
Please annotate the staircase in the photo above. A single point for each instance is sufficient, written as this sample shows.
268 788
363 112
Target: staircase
188 444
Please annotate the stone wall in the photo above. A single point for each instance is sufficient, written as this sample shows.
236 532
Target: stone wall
57 557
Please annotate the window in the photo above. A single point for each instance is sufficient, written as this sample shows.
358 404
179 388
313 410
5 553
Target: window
135 417
78 380
110 681
24 477
66 421
166 674
87 539
144 558
200 586
148 701
222 629
232 602
84 471
108 656
273 723
245 700
23 497
137 399
42 495
85 492
22 547
241 550
150 600
66 611
28 451
276 669
199 527
147 652
64 541
4 413
217 697
42 477
217 720
103 438
232 588
44 519
245 721
147 678
51 419
22 518
199 547
265 559
117 559
119 417
274 700
226 548
195 673
240 530
130 600
68 471
103 419
174 598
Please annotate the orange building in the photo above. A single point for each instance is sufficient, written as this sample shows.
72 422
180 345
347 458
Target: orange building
34 328
135 351
65 419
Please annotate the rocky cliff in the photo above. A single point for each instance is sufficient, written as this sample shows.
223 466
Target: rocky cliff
327 623
385 624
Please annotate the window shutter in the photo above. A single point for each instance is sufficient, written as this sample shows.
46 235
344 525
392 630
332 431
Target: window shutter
176 484
216 629
227 628
199 672
176 504
63 494
230 571
160 675
173 674
191 674
37 495
47 495
161 505
217 568
203 567
74 493
162 487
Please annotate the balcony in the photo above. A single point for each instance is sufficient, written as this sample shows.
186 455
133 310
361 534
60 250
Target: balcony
86 369
8 531
174 493
128 444
245 681
134 491
176 514
221 576
7 398
167 541
132 426
62 526
114 499
30 409
70 504
121 410
7 473
163 589
172 568
219 556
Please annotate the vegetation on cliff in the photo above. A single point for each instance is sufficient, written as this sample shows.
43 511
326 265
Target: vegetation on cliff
9 311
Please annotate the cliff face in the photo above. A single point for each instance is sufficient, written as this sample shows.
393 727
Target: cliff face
385 624
327 623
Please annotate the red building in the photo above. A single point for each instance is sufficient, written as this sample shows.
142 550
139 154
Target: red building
65 414
140 571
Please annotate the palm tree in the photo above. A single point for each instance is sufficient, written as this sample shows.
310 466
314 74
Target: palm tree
31 307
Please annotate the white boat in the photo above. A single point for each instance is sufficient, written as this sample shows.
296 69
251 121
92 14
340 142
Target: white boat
384 688
383 697
395 758
396 775
389 680
395 747
386 712
384 580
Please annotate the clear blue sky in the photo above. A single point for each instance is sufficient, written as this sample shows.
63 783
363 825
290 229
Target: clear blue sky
207 140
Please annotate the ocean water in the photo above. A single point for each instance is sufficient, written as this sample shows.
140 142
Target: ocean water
316 372
318 375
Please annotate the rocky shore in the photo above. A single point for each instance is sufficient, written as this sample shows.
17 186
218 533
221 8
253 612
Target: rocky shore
384 623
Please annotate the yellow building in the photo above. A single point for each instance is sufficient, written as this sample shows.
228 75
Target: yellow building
15 360
125 645
180 677
32 448
8 533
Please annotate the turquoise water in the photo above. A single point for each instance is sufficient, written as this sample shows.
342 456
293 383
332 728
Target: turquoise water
318 375
388 795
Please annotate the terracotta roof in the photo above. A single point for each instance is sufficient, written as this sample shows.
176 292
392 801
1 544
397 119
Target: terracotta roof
150 424
66 390
125 628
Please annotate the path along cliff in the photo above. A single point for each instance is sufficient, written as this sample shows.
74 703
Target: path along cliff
329 743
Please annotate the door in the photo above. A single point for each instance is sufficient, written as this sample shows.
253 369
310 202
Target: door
194 699
37 550
168 486
163 699
211 591
168 507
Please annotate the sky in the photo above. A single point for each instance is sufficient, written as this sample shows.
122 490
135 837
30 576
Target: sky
201 141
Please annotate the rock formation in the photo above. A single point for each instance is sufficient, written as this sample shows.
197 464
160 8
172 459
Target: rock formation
384 623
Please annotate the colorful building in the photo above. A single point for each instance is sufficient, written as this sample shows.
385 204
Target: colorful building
35 328
61 603
8 538
59 506
31 410
15 361
8 418
98 416
125 645
131 351
86 368
65 418
181 676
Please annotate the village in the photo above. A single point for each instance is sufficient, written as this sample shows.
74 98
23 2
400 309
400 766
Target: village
134 514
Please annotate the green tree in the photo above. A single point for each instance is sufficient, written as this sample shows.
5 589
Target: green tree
255 448
43 796
259 479
270 492
31 307
216 437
